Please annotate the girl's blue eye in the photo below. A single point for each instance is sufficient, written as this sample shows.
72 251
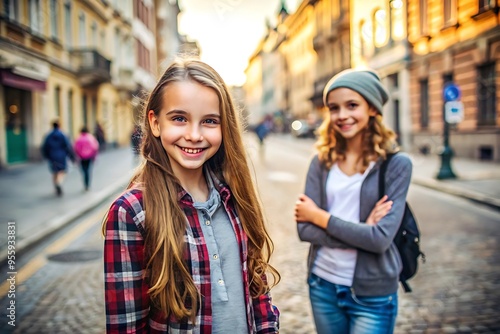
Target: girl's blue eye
178 119
212 121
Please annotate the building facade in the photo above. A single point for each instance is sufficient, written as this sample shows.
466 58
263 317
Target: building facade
331 43
254 89
379 41
456 41
82 62
266 85
290 67
418 47
300 57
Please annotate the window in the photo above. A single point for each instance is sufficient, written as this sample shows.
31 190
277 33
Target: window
85 119
117 51
81 28
380 27
424 103
398 17
57 101
11 9
143 56
35 15
70 113
449 12
486 94
447 78
397 121
67 23
54 20
129 52
424 29
393 81
485 5
103 39
93 29
104 111
94 112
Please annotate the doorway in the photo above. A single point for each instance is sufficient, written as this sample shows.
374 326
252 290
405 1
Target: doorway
15 124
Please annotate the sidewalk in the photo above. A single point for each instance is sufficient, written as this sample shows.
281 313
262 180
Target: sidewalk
28 199
476 180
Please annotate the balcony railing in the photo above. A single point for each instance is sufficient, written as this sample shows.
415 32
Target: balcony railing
92 68
124 80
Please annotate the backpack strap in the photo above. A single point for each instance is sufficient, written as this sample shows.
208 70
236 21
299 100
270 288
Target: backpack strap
381 175
406 286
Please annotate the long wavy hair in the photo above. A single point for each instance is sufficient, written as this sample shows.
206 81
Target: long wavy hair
172 289
378 141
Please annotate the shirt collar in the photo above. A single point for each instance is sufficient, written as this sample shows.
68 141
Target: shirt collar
213 182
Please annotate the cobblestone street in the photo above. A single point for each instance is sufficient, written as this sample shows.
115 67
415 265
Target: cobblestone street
456 291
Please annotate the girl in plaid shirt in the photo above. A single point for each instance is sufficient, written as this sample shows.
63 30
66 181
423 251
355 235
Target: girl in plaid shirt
186 249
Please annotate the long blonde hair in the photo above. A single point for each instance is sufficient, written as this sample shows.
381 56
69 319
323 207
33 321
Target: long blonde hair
172 289
378 141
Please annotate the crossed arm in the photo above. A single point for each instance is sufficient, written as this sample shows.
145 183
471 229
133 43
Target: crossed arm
317 226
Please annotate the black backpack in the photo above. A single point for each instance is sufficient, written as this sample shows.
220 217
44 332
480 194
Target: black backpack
407 238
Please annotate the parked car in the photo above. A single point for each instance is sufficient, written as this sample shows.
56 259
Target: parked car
302 128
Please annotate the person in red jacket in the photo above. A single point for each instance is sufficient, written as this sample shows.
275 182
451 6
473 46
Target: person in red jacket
86 148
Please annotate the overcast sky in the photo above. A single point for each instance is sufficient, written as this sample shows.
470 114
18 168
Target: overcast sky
228 31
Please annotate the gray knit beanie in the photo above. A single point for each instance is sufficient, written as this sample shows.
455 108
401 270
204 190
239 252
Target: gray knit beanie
365 82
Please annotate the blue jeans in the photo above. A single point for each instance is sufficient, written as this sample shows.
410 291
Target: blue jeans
337 310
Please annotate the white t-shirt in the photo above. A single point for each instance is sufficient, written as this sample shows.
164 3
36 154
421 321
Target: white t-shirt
343 194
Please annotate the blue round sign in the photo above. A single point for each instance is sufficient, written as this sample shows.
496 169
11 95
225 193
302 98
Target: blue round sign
451 92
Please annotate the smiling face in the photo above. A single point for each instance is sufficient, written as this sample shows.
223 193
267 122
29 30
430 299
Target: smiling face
349 112
188 126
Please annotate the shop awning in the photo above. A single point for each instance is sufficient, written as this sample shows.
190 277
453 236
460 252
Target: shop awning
8 78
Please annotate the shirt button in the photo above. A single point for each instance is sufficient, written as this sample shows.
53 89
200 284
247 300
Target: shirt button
220 282
216 256
207 222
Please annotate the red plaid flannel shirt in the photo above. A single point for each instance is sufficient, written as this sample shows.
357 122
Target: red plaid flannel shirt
128 308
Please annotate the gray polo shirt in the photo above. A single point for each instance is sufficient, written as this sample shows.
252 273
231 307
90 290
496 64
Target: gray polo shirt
228 299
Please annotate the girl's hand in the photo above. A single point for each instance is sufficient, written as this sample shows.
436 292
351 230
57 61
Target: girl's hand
382 207
307 211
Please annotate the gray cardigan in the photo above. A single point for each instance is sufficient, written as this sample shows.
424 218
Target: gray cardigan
378 263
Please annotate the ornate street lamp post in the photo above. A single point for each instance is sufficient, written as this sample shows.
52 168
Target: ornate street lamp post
452 113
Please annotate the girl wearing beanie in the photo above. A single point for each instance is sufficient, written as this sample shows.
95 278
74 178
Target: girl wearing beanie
353 264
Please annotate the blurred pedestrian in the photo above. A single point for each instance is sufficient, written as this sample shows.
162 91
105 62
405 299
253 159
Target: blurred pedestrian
263 128
186 248
100 136
354 265
86 148
136 140
56 148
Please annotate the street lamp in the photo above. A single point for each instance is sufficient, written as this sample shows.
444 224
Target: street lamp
445 172
452 113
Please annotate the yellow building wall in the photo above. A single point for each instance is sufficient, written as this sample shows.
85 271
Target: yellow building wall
253 90
363 11
457 49
114 114
71 124
440 37
301 60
